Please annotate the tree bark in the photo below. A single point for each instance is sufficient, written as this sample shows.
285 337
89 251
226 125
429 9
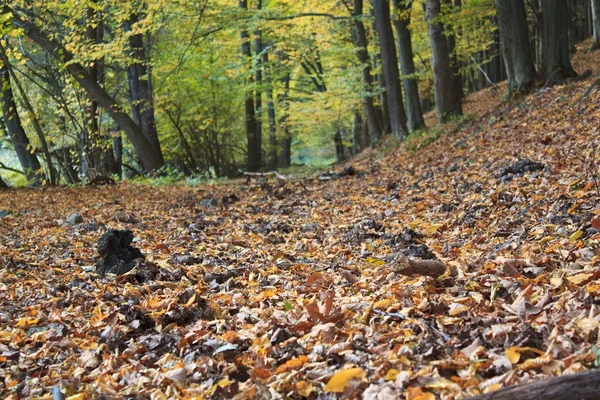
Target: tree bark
556 64
411 89
254 161
583 385
258 49
596 24
514 42
28 160
272 153
286 141
447 99
150 158
140 87
389 59
359 37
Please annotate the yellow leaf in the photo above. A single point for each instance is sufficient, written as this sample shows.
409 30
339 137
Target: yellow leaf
580 278
514 353
27 322
191 300
391 375
339 381
376 261
576 235
385 303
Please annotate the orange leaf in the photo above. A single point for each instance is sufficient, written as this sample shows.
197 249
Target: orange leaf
294 363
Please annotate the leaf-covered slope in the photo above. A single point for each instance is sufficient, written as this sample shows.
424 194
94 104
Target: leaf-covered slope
290 288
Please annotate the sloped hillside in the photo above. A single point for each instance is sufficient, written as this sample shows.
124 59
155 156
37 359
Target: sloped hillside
290 288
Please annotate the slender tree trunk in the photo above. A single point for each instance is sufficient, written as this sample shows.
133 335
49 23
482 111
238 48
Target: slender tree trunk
390 68
254 151
140 86
383 111
286 141
411 89
258 49
272 153
34 119
150 158
596 23
3 184
457 79
359 37
556 64
27 158
359 139
447 100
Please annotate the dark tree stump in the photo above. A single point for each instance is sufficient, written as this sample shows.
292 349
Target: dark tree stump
117 253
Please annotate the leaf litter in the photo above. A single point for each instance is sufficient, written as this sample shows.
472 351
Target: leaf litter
290 288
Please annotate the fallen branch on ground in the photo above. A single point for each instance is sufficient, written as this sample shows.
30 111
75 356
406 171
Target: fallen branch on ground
584 385
263 174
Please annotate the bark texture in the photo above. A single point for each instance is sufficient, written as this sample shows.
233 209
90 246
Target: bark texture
447 99
389 60
411 89
254 161
556 64
514 41
28 160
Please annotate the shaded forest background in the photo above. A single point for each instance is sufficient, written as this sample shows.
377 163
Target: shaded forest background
209 89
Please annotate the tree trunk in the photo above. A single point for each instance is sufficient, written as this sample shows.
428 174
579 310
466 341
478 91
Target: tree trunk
596 24
258 49
286 141
411 89
390 68
447 100
556 64
254 161
514 41
150 158
28 160
359 37
140 86
383 111
272 153
52 173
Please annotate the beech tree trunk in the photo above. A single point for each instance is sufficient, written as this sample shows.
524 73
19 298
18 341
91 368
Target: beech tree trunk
447 100
254 161
389 59
140 89
272 153
596 24
411 89
258 48
28 160
556 64
149 157
514 41
285 159
359 37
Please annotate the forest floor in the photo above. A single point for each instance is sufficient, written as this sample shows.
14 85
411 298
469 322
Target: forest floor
292 288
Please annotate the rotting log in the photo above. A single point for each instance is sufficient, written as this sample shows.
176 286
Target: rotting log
583 385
